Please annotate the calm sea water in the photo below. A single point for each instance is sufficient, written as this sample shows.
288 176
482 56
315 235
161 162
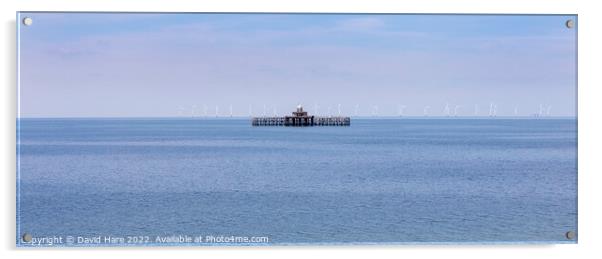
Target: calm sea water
388 180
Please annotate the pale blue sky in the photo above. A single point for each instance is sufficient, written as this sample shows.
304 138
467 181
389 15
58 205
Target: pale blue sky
161 65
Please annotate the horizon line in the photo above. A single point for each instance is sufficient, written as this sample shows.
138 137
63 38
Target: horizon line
357 117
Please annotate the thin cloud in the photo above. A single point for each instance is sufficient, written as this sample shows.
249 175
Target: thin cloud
362 23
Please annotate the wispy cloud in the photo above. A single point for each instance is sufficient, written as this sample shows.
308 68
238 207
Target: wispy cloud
361 23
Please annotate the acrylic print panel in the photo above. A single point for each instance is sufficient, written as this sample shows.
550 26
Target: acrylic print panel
195 129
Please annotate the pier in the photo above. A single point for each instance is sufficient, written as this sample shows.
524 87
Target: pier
300 118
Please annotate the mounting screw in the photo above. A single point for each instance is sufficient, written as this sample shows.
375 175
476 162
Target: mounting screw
569 23
27 21
570 235
27 237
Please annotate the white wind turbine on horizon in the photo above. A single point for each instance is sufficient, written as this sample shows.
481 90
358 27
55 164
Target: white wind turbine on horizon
401 108
446 110
193 112
375 110
492 109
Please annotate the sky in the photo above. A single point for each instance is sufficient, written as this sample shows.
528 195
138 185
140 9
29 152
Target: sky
168 65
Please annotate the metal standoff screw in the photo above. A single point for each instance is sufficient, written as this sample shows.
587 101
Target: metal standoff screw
27 21
569 23
27 237
570 235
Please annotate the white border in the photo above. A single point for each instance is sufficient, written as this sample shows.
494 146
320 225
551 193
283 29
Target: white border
590 102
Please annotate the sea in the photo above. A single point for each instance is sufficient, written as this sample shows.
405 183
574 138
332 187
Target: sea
378 181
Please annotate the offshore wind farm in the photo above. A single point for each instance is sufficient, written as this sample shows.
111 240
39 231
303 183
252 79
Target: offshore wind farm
371 111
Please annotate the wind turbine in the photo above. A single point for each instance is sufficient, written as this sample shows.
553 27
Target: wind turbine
230 110
401 108
456 110
548 110
339 109
375 111
426 111
490 109
446 110
216 111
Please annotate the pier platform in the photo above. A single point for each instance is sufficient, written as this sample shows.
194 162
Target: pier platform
300 118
